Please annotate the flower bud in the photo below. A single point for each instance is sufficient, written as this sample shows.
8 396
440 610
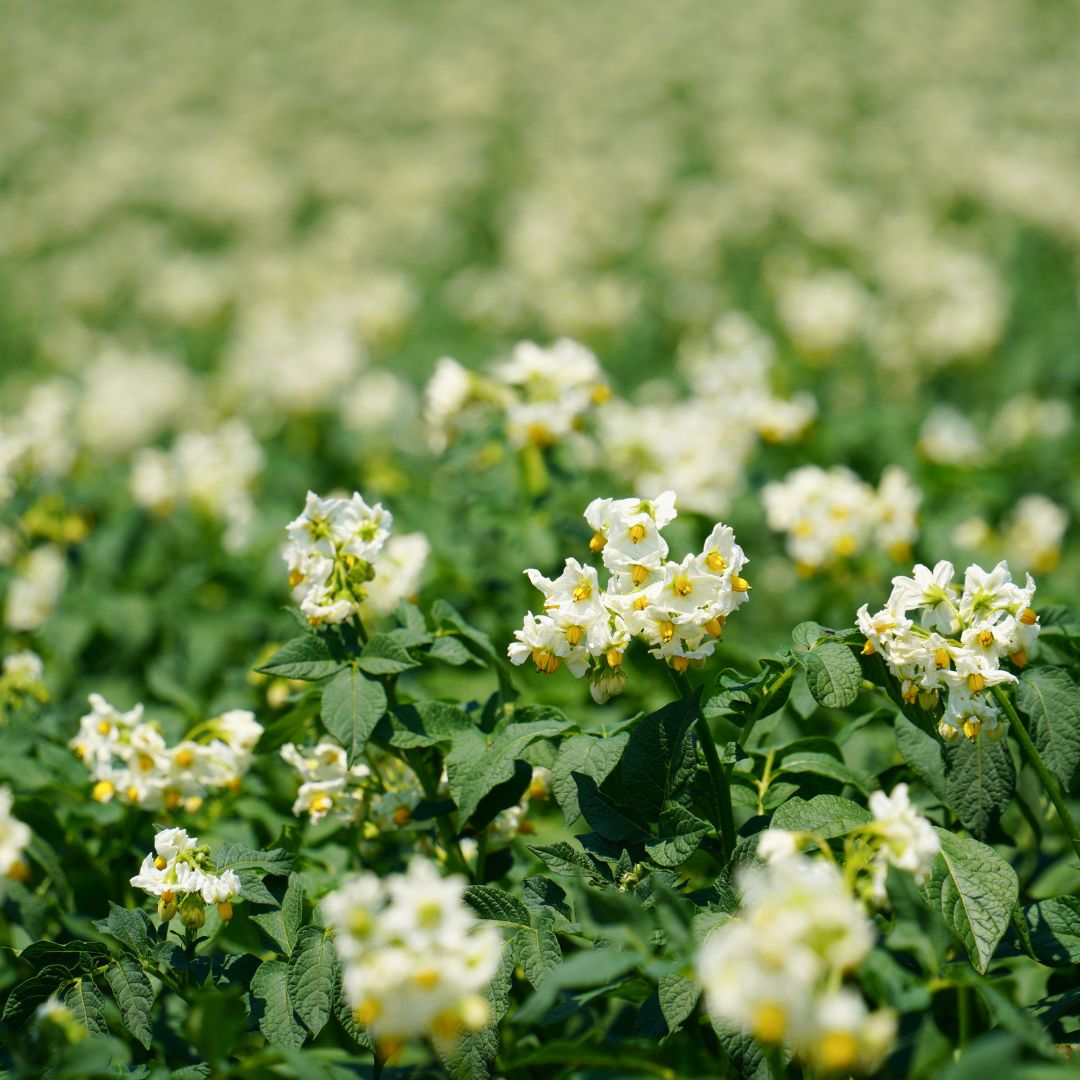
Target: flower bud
193 912
166 909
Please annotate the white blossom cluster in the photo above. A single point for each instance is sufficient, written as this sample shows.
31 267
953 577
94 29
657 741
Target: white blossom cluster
340 560
14 836
830 515
329 785
181 873
677 607
897 836
130 761
957 646
710 435
35 588
545 394
213 471
777 969
415 959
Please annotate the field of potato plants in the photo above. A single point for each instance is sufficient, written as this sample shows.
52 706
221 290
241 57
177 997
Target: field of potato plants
539 541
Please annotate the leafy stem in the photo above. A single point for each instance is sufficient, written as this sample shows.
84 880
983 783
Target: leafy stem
720 789
759 709
1049 780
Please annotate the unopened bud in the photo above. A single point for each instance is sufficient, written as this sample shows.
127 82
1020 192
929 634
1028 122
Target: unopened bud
166 909
193 912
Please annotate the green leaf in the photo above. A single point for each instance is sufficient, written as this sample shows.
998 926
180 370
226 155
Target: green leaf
345 1015
270 984
234 856
660 760
131 927
536 948
742 1051
311 977
26 996
604 816
451 650
975 890
826 816
76 956
832 673
382 655
478 762
563 859
475 1052
589 755
283 923
308 658
87 1005
979 781
351 707
922 752
1051 701
678 998
681 831
808 634
1055 929
426 723
497 905
818 764
596 967
134 995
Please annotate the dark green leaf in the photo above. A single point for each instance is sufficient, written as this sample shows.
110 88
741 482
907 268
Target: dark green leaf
979 781
382 655
87 1005
832 673
1051 701
311 977
133 994
827 816
589 755
351 707
307 658
277 1021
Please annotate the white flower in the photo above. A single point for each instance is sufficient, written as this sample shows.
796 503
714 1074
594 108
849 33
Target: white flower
907 839
414 957
35 589
14 837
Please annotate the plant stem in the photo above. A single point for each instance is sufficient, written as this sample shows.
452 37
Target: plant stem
718 780
377 1064
759 708
963 1016
1049 780
775 1057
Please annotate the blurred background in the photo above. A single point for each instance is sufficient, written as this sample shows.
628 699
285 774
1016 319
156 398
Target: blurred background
236 239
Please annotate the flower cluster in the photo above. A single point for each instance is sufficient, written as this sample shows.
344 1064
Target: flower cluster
545 394
677 608
962 635
14 836
181 873
130 761
831 515
897 836
776 971
21 679
415 958
331 553
329 786
710 435
210 471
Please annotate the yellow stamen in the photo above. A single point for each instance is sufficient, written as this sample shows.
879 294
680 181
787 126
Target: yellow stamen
172 799
133 794
234 783
868 648
321 803
573 635
1019 658
976 682
909 693
601 394
224 909
637 533
614 657
986 638
770 1023
103 791
682 585
427 980
582 591
1028 617
104 727
597 542
680 663
19 871
837 1052
641 603
367 1011
942 658
401 816
146 762
546 661
638 574
715 562
740 584
715 626
160 862
971 727
845 545
666 629
185 758
295 578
